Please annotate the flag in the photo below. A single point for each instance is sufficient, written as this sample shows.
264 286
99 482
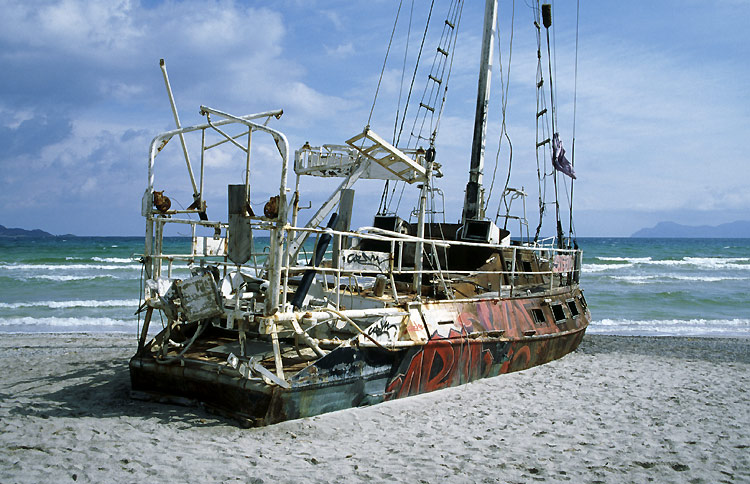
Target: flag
558 158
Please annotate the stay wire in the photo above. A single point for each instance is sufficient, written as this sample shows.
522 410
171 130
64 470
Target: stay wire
414 74
408 98
383 205
431 92
384 196
385 61
541 106
403 73
575 100
554 130
504 88
450 67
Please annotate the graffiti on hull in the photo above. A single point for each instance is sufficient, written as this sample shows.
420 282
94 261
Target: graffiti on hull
454 356
445 363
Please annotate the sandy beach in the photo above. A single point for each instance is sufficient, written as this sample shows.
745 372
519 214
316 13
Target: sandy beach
619 409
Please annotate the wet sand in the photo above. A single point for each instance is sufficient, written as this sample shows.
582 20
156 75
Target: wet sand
619 409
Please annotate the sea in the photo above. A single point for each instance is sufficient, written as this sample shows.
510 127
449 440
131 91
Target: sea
633 286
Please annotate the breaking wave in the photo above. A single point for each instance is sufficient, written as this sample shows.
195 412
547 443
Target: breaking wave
672 327
117 260
113 303
739 263
66 267
60 278
38 325
665 277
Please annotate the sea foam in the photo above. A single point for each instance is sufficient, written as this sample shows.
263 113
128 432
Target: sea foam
679 327
112 303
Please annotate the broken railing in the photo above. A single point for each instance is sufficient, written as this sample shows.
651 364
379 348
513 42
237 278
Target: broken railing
158 215
353 264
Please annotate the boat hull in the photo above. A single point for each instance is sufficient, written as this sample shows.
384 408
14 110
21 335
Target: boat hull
352 376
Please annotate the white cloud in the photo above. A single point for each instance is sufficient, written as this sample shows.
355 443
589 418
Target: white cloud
341 50
660 119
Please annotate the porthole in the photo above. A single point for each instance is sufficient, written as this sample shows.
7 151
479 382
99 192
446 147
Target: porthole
572 307
537 315
558 312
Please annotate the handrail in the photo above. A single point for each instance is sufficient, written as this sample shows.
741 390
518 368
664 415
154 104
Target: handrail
383 235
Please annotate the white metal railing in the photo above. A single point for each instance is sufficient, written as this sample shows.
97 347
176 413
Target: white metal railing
318 160
396 267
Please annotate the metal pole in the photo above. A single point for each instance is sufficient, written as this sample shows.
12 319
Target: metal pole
473 203
417 279
177 122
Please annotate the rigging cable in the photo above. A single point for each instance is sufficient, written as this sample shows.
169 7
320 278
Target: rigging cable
450 68
403 72
504 87
547 24
431 92
573 146
383 205
377 90
414 75
408 98
382 70
541 110
431 106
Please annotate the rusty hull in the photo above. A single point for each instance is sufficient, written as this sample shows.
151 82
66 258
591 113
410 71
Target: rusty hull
487 338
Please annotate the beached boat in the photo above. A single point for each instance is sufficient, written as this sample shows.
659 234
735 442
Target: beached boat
277 320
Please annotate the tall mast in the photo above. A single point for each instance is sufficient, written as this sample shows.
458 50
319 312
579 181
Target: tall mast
474 201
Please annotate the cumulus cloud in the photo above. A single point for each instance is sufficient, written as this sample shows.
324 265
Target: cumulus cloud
659 116
30 136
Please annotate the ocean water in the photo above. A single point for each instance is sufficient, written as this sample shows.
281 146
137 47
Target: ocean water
684 287
692 287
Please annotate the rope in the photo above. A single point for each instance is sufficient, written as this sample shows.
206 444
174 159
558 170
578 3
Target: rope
432 103
397 138
541 106
431 92
414 75
571 231
403 72
450 69
504 87
554 130
382 70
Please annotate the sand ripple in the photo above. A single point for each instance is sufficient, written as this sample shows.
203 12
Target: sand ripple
620 409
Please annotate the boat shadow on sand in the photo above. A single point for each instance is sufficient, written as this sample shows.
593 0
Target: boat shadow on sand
100 386
100 389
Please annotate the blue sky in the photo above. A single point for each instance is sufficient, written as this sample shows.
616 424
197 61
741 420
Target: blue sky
662 102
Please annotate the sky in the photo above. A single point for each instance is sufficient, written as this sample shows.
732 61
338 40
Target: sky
660 99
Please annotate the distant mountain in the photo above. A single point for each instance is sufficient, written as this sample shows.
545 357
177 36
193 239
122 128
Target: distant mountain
32 234
738 229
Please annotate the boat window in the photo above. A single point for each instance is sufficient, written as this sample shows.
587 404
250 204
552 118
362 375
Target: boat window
583 301
527 266
558 312
538 315
572 307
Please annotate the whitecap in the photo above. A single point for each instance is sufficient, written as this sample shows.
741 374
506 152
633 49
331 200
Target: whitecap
665 277
118 260
32 323
632 260
59 278
71 267
112 303
604 267
672 327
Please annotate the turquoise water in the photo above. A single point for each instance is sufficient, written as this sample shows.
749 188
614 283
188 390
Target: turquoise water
697 287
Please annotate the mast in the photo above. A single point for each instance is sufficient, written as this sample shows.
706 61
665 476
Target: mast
474 201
